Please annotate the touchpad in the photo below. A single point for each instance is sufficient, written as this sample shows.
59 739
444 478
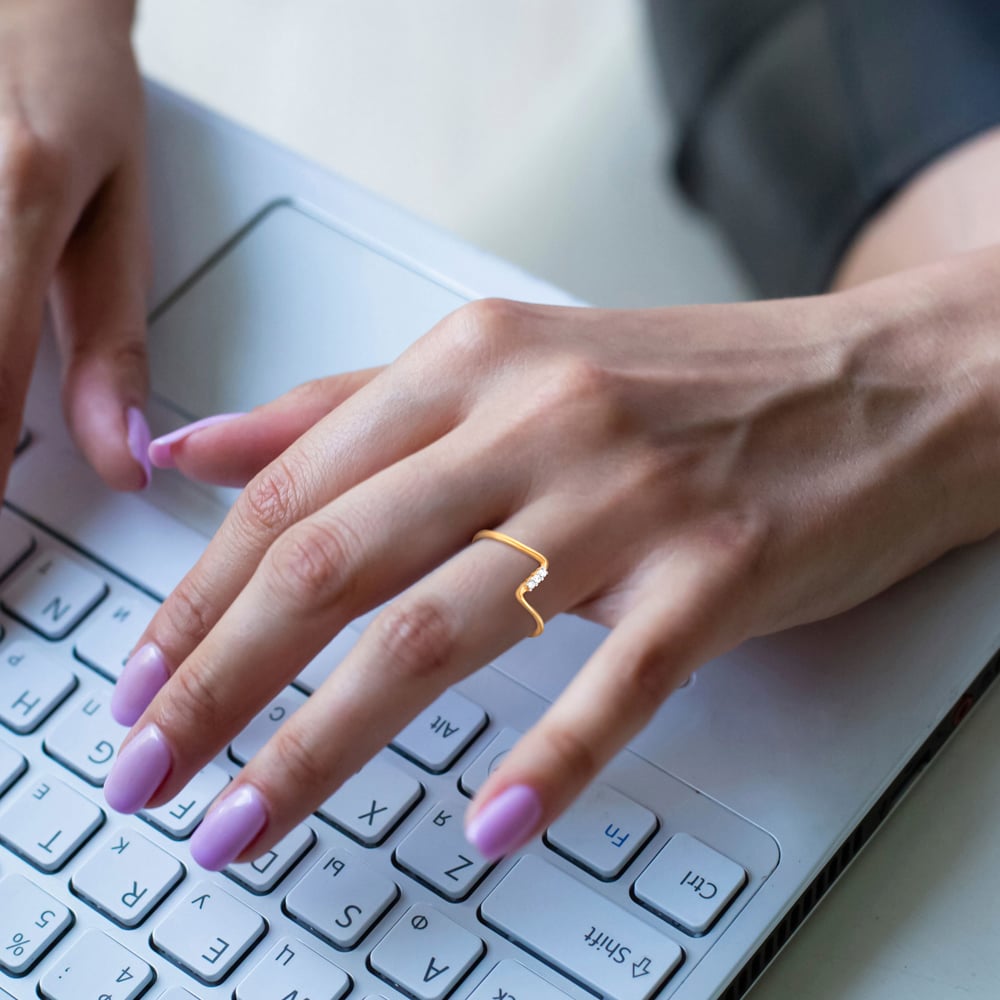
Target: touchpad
289 299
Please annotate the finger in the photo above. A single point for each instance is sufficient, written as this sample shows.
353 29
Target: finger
99 312
230 449
447 625
365 546
382 423
30 200
678 625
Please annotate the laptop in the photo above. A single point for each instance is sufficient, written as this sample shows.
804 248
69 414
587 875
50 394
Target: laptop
680 873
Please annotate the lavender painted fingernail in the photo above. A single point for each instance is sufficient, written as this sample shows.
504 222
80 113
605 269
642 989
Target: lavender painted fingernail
139 771
144 674
138 440
160 453
503 823
231 824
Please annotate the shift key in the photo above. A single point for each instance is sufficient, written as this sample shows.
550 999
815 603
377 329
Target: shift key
574 928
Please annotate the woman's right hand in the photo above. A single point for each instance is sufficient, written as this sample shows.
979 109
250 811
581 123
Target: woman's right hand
73 230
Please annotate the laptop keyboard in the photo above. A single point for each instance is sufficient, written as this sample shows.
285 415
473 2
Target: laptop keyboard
377 895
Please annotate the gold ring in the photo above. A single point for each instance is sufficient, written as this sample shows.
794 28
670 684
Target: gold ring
531 582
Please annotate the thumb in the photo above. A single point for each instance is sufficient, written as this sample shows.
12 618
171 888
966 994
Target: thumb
99 312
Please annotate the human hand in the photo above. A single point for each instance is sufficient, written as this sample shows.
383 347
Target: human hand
695 476
72 224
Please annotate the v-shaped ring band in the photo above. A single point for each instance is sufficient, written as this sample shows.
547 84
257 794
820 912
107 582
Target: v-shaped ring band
530 582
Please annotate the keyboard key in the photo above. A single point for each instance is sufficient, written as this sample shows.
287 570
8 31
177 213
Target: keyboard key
262 874
85 738
178 817
575 929
48 822
437 853
31 922
265 724
689 883
12 766
290 969
602 831
32 684
370 804
326 661
208 932
340 899
15 543
110 635
96 966
52 594
178 994
440 733
475 775
425 954
511 980
127 878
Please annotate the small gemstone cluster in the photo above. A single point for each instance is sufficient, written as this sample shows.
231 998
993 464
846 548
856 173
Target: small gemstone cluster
536 578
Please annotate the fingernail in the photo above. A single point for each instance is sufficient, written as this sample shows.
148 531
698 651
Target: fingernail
228 828
144 674
139 771
503 823
138 440
160 449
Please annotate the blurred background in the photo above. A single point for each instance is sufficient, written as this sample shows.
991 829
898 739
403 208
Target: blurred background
534 130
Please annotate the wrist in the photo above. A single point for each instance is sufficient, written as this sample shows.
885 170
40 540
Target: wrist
932 334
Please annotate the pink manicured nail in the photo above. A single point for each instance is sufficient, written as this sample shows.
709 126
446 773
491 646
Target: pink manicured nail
502 824
138 440
160 450
230 825
144 674
138 771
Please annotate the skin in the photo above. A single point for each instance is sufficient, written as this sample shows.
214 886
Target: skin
72 221
722 472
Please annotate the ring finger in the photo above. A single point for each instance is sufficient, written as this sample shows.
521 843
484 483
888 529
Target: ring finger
447 625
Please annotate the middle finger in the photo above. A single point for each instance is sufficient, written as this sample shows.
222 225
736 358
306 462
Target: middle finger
349 556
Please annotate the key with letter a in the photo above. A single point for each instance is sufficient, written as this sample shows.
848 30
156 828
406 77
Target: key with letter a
52 594
290 969
96 966
425 954
127 878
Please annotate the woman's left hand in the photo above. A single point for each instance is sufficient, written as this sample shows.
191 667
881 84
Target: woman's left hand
694 476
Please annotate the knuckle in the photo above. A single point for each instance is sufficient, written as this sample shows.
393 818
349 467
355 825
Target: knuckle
188 616
647 680
417 638
313 562
474 332
194 706
303 764
272 500
32 171
574 758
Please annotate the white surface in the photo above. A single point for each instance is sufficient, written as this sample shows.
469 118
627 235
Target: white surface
547 149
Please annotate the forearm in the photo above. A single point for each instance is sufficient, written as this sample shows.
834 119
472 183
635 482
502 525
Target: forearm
950 207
